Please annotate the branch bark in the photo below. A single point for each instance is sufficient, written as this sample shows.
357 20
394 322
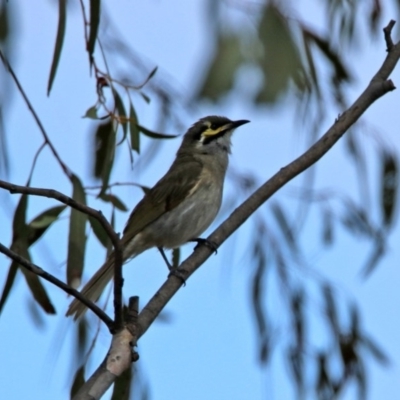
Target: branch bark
378 87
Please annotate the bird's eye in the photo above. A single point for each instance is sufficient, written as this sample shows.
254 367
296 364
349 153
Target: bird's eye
213 126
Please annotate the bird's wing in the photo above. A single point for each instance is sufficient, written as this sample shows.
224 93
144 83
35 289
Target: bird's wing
178 183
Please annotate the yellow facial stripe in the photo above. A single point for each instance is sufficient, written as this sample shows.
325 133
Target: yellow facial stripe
212 132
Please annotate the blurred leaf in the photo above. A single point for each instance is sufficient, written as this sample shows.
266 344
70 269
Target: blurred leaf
298 317
35 285
281 62
104 152
19 220
4 22
79 380
327 225
155 135
357 221
123 117
134 130
99 232
389 187
331 309
220 74
46 218
81 339
145 97
377 254
12 273
341 73
122 386
257 288
375 350
94 25
114 200
283 224
91 113
62 22
76 236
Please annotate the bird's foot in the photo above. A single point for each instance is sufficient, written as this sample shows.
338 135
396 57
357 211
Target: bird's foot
179 273
200 241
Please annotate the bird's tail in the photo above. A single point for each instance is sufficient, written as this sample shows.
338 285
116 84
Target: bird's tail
94 288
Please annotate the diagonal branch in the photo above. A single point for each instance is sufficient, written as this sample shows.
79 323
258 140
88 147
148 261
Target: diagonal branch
379 86
64 167
54 194
50 278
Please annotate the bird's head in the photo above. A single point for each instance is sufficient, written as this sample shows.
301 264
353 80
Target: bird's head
210 134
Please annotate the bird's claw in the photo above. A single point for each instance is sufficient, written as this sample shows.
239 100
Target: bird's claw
179 273
200 241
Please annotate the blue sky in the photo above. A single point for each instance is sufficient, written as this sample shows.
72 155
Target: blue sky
209 348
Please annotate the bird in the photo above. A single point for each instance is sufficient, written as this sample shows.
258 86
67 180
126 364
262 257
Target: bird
180 206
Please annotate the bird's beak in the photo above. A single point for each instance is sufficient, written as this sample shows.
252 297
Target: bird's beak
236 124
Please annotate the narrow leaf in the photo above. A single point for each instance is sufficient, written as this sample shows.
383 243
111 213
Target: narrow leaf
99 232
114 200
76 237
134 130
123 119
62 22
155 135
104 149
389 187
12 273
34 283
284 225
94 25
79 380
38 226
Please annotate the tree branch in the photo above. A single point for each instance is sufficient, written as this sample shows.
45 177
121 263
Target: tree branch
64 167
378 87
106 226
50 278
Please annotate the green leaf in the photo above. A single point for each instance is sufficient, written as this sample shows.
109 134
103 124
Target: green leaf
134 130
46 218
12 273
34 283
91 113
121 113
38 226
281 62
284 225
94 25
221 73
99 232
19 220
62 22
76 237
79 380
155 135
114 200
104 148
389 187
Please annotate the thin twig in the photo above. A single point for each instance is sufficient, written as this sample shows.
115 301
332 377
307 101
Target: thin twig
95 214
62 198
50 278
64 167
387 31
